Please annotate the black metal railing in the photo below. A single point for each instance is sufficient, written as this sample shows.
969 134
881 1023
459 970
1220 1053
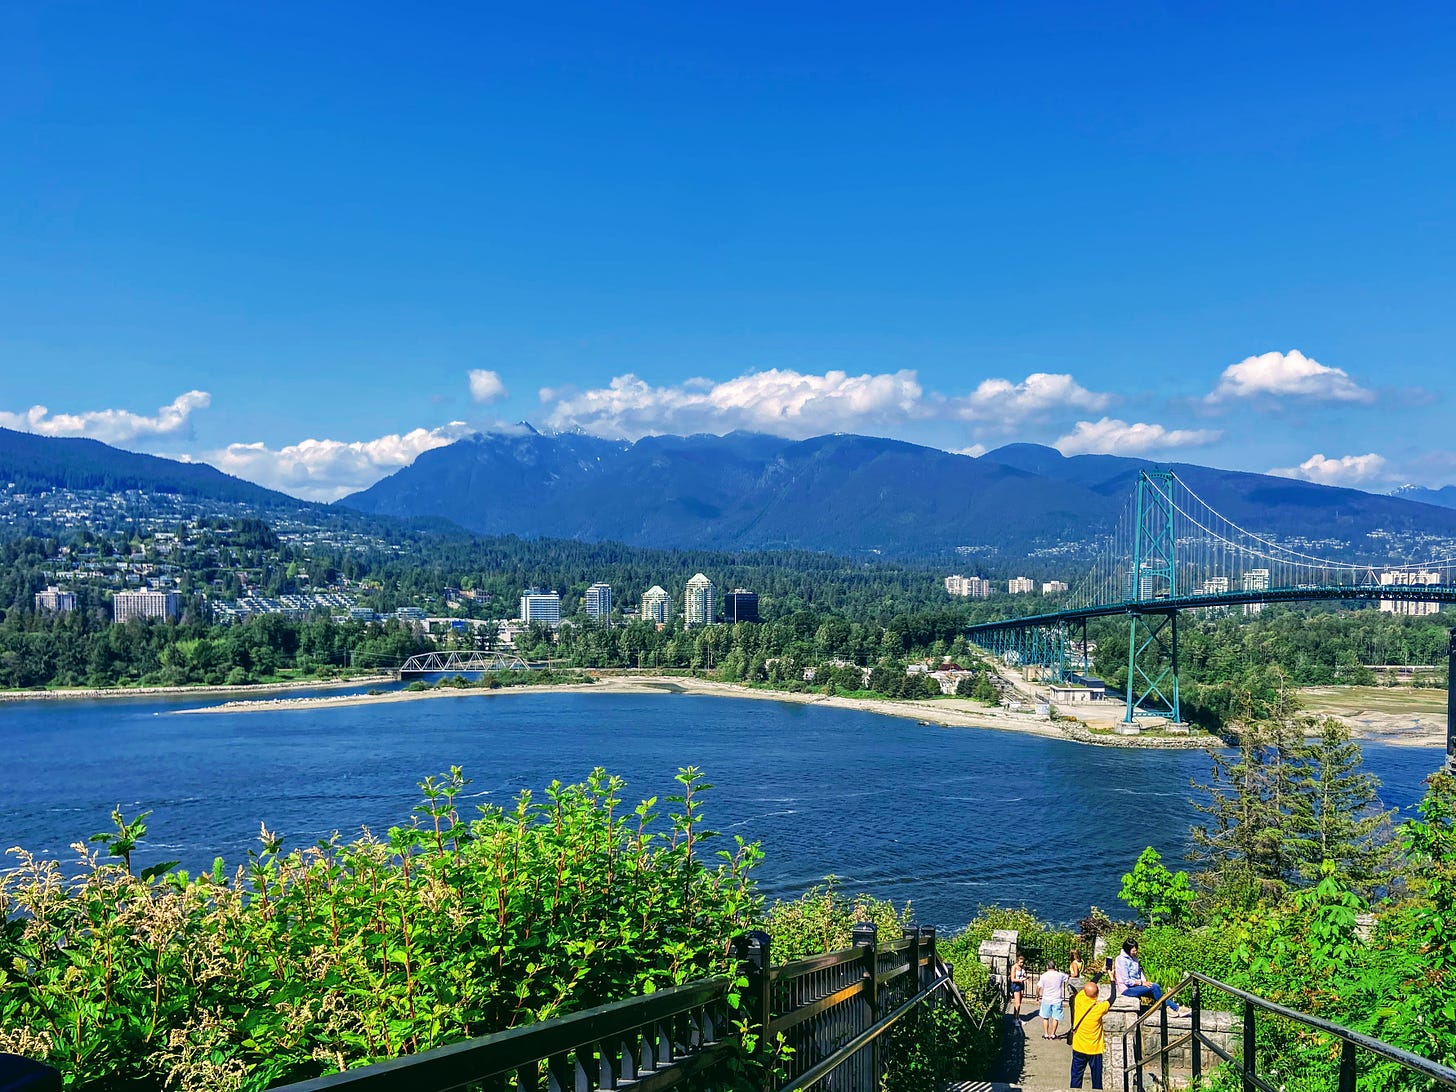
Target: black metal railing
1299 1055
821 1022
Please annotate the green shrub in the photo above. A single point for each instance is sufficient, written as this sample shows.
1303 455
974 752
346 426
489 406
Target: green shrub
307 962
823 920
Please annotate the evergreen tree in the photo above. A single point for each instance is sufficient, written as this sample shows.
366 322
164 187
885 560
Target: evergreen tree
1251 799
1340 819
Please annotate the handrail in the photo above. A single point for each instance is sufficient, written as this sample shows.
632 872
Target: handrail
486 1056
862 1040
828 1009
1253 1003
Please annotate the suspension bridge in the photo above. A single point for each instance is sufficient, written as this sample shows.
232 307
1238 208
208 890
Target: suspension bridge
1171 552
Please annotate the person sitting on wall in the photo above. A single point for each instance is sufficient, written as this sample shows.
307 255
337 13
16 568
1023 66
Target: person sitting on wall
1127 977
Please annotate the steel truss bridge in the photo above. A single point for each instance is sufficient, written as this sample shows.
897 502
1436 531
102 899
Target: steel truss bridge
432 663
1172 552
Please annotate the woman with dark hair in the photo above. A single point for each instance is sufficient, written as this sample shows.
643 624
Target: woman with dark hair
1127 977
1018 984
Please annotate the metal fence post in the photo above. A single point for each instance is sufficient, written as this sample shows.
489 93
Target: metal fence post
1137 1052
1163 1043
912 934
1251 1058
1347 1066
866 935
1197 1032
752 950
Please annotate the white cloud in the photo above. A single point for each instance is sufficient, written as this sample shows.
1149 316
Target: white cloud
975 451
783 402
486 386
1346 470
1035 396
790 403
1110 436
111 426
325 470
1292 374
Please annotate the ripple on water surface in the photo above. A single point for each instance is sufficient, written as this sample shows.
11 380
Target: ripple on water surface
948 818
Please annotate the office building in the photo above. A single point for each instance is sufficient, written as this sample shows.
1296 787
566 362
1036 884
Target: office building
656 605
698 601
540 605
740 606
599 601
146 603
1021 585
1409 578
55 599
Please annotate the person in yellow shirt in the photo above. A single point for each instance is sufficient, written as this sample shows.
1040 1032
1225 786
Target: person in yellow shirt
1088 1043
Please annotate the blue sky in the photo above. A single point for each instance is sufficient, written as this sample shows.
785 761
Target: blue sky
306 242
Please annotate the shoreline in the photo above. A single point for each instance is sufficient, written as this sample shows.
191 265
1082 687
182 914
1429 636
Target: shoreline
947 713
101 693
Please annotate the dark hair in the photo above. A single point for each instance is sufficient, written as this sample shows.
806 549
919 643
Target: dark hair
1128 945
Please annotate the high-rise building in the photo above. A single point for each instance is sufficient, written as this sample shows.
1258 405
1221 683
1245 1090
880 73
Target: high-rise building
1255 580
599 601
540 605
968 586
740 606
1214 585
974 587
1408 578
1021 585
55 599
698 601
146 603
656 605
1053 587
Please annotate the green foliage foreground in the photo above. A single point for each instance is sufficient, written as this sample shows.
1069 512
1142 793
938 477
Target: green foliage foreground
312 961
307 962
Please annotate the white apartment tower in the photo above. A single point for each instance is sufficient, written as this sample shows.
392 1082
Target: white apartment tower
147 603
698 606
1408 578
539 605
55 599
656 605
1021 585
599 601
1255 580
974 587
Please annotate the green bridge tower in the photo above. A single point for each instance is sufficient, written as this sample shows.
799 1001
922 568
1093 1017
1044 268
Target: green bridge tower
1152 643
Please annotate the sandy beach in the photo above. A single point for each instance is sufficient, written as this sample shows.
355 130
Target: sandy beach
948 712
1422 728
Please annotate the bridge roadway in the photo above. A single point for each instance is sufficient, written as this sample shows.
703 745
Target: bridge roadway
1305 593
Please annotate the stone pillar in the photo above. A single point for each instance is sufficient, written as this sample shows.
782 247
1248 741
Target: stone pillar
998 954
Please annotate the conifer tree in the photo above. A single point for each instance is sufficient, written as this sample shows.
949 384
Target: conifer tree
1252 798
1340 818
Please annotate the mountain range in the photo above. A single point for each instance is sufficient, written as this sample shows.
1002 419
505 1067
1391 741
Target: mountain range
34 463
840 493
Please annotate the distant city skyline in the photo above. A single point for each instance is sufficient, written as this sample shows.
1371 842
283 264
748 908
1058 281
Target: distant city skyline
306 248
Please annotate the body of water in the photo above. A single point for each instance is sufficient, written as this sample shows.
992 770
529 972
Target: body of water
949 818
